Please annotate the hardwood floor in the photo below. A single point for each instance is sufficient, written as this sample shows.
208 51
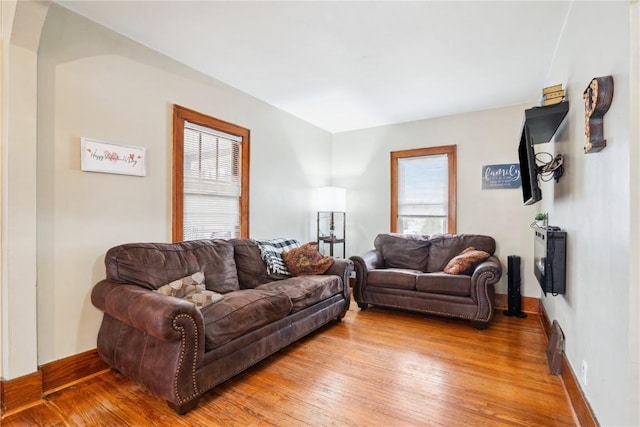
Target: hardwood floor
376 368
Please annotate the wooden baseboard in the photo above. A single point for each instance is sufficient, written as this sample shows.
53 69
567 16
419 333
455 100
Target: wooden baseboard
581 407
21 392
60 373
29 390
545 321
529 304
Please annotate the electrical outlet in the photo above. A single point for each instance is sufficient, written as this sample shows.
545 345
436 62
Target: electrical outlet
583 372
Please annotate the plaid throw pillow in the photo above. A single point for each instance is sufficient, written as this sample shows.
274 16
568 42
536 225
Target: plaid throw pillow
271 251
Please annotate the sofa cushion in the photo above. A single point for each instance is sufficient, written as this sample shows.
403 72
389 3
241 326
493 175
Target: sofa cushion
241 312
465 261
252 270
152 265
271 251
403 250
442 283
446 246
305 291
306 260
395 278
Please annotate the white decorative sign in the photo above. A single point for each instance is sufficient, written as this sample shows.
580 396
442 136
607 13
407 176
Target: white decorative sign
100 156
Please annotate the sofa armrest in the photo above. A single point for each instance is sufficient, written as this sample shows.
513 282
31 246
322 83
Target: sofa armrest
151 338
343 268
484 276
150 312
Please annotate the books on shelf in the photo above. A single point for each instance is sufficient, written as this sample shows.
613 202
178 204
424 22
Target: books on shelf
552 95
550 89
550 100
558 93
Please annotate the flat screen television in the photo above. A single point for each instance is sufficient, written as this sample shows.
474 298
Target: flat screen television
531 192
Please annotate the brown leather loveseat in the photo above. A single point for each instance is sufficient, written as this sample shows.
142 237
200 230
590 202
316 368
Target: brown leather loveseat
408 272
178 349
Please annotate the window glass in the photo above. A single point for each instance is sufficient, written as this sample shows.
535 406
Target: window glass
423 191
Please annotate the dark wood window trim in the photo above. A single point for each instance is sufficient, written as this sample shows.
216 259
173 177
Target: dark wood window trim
180 115
450 151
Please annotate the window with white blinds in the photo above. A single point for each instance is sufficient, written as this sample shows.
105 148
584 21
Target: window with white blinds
423 194
212 188
423 197
210 177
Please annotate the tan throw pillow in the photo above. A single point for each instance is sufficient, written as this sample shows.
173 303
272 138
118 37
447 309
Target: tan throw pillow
306 260
192 289
465 261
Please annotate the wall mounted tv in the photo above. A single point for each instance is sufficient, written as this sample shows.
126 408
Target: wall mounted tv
540 124
531 192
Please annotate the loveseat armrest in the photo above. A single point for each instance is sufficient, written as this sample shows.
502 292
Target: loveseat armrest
368 261
150 312
364 263
483 278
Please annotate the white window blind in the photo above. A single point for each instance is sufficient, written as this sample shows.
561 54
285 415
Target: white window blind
212 185
423 193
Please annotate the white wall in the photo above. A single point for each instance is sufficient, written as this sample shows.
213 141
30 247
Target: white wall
19 106
361 163
592 203
95 83
634 253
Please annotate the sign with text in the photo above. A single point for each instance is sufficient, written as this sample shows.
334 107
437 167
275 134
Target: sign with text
100 156
501 176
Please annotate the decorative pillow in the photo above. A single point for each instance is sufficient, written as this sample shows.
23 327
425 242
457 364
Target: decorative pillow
271 251
306 260
192 289
465 261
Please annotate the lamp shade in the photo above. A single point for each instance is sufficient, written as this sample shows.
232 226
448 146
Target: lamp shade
332 199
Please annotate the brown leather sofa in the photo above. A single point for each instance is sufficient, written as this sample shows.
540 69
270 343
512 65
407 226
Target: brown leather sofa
406 272
178 350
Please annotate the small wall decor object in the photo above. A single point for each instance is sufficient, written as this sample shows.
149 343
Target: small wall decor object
541 220
597 100
105 157
501 176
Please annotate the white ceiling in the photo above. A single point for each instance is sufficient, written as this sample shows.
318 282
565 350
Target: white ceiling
351 65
